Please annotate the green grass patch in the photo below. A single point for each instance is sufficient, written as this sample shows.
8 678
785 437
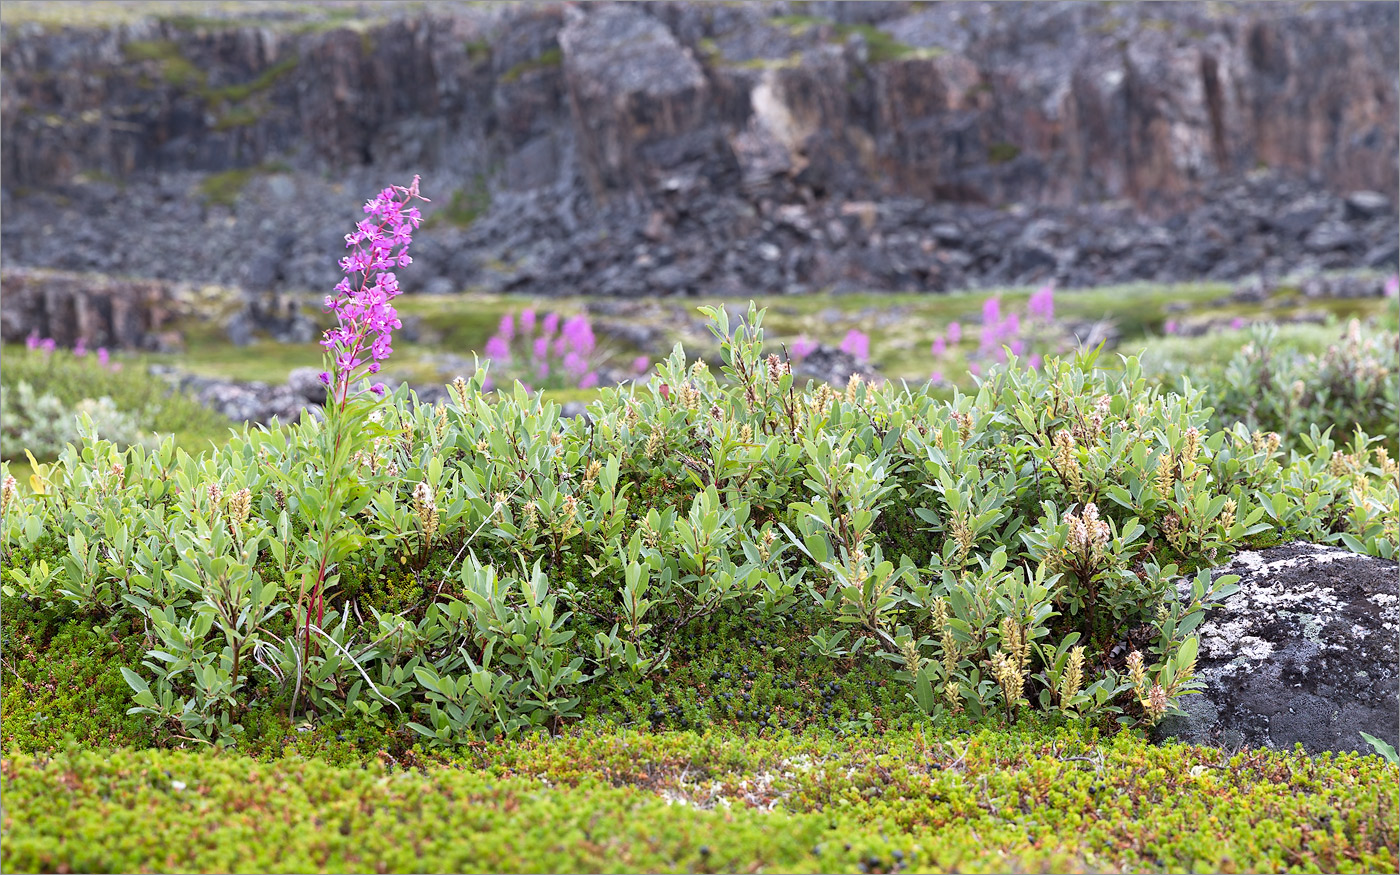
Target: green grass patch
71 380
237 117
224 188
881 46
478 51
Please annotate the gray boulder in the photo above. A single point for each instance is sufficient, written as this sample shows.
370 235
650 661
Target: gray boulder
306 383
831 365
1305 653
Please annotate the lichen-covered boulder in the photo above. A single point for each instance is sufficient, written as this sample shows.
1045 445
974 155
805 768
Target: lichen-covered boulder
1304 652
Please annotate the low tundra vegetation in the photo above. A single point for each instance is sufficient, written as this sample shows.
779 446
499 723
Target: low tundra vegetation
483 568
901 631
629 801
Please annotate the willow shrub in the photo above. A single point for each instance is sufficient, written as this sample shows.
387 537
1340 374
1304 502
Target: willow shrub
496 560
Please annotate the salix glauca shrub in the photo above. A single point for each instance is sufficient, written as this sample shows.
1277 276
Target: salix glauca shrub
489 565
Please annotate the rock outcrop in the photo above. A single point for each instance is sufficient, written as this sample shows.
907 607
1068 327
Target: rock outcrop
1037 102
133 313
1305 653
678 148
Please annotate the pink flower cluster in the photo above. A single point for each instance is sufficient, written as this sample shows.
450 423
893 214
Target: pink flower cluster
1004 330
939 346
857 344
548 350
1000 331
365 317
80 350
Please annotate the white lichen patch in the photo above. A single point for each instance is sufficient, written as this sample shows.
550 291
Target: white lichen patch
1389 613
1254 647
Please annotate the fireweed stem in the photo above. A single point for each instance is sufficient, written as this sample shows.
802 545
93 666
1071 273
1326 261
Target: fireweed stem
354 348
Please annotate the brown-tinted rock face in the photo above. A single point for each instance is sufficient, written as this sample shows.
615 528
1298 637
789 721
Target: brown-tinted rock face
639 100
1039 102
70 307
130 313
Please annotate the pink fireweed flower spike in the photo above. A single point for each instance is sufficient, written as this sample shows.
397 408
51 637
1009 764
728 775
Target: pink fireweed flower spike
365 317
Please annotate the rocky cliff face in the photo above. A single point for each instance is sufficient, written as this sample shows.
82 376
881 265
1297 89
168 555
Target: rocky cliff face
551 131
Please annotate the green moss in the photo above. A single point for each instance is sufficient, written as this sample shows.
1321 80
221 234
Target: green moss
224 188
264 81
882 47
465 207
798 24
1002 153
478 51
175 68
191 22
709 49
64 678
179 71
237 117
552 57
1030 800
792 60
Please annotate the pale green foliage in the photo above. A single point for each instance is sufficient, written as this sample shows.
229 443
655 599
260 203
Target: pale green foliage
44 425
484 561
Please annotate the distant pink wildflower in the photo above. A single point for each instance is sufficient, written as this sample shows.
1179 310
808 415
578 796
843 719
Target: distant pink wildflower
856 343
1042 303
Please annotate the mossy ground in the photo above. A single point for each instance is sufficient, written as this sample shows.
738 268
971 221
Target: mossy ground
608 799
745 756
